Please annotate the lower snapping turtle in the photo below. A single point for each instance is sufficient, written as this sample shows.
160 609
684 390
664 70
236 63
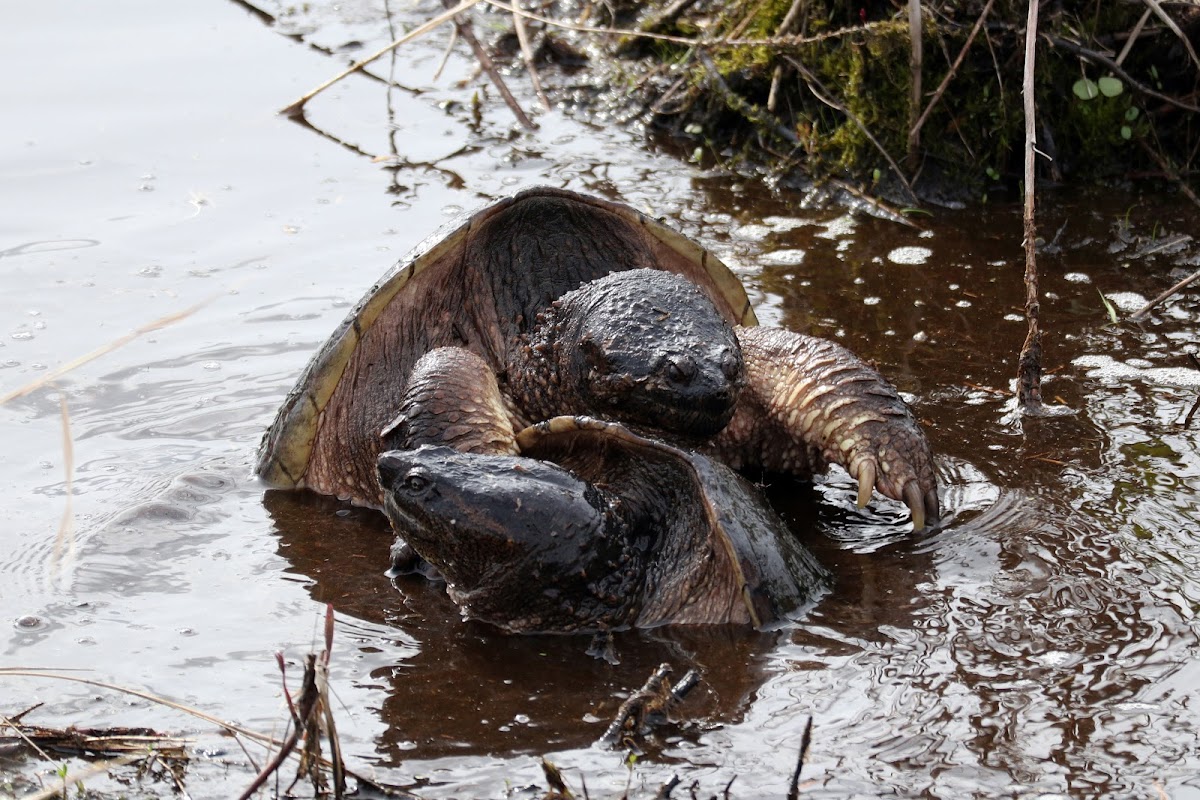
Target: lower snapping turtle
581 306
594 527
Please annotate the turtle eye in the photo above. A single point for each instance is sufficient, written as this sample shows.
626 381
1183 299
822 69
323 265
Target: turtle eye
415 482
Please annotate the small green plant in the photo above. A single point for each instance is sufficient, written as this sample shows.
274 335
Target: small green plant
1108 306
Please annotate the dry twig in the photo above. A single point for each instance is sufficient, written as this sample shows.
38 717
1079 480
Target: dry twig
1170 23
485 62
1029 368
416 32
55 374
1141 313
915 133
527 57
814 85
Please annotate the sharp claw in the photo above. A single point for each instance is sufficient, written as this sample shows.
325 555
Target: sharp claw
866 483
915 503
932 507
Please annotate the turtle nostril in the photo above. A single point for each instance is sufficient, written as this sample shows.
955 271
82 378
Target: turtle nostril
731 365
389 469
681 370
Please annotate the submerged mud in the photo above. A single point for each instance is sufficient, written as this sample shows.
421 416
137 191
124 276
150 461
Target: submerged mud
1040 641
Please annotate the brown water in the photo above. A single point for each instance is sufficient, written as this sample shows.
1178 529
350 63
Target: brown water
1041 642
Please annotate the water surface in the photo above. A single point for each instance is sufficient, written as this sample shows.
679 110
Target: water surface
1041 642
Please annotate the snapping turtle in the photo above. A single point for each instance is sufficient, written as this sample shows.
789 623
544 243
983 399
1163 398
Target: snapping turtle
595 527
577 305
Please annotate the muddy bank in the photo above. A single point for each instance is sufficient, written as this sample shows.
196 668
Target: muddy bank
917 102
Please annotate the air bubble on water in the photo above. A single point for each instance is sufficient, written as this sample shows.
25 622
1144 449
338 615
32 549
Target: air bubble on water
783 258
751 232
910 255
1126 301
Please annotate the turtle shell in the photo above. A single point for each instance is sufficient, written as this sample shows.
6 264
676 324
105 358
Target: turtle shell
720 553
478 286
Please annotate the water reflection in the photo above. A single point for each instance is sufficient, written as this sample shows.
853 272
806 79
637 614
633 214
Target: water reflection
468 688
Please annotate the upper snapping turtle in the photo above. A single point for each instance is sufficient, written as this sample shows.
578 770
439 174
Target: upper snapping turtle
565 299
596 528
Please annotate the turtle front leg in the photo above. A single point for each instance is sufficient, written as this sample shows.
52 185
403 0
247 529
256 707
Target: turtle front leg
452 399
809 403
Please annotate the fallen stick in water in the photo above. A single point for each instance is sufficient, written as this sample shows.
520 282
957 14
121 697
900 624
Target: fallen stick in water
649 705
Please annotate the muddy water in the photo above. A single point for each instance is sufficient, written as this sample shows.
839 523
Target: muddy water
1040 642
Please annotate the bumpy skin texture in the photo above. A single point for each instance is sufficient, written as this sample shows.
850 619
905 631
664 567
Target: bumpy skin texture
644 347
479 287
653 353
810 403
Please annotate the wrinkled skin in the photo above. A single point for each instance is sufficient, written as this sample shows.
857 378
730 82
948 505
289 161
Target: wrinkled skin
780 401
490 287
810 403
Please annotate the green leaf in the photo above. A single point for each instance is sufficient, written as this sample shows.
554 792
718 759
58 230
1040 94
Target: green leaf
1110 86
1108 306
1131 113
1085 89
1126 132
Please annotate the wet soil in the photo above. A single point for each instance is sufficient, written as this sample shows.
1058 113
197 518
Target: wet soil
1041 641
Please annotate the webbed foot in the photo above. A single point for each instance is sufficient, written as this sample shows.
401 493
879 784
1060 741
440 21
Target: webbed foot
809 403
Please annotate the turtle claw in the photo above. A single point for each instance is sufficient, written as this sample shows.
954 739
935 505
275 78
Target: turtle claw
866 483
915 503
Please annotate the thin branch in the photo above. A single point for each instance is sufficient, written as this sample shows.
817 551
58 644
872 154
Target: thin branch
1133 35
813 85
1116 69
67 524
915 64
789 20
1141 313
1029 368
743 106
485 61
527 57
154 325
1170 23
416 32
914 134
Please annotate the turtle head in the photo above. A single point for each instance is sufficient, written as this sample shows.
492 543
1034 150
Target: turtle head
522 544
653 350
